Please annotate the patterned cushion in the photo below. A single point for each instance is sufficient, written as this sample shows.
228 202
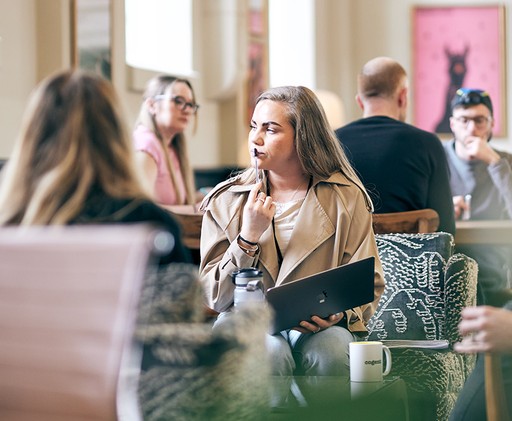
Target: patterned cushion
412 305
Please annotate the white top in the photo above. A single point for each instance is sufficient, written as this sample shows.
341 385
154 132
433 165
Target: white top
284 222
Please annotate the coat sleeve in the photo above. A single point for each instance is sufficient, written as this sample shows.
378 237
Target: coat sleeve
501 175
220 257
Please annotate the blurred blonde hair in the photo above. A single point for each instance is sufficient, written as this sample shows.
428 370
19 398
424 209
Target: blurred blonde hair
159 85
73 144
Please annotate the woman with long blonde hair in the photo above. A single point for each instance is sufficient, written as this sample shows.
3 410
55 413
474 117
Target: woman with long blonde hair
73 162
301 210
169 105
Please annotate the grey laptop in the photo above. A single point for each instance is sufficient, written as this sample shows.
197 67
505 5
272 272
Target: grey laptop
322 294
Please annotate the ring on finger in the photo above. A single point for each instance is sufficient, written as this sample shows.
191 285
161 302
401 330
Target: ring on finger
261 199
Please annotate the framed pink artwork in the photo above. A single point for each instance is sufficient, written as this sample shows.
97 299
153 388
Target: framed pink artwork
257 20
456 47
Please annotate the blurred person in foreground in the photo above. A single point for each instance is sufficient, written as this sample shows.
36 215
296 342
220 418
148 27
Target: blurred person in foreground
484 329
308 213
402 167
484 175
73 162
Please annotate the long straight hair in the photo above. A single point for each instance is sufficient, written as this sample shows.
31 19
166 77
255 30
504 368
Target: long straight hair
73 143
159 86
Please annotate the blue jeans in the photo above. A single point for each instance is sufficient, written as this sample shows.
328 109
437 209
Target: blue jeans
314 354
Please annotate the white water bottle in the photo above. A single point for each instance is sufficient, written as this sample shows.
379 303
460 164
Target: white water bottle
248 286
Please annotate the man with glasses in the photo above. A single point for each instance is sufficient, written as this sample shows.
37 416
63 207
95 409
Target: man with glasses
484 174
481 183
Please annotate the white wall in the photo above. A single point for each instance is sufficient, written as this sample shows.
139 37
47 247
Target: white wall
18 66
292 42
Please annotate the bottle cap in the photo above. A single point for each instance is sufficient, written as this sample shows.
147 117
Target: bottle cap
244 275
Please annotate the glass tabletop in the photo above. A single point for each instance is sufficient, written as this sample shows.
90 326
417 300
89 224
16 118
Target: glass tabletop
300 397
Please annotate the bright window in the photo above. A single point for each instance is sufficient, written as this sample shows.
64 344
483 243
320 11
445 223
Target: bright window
159 35
291 42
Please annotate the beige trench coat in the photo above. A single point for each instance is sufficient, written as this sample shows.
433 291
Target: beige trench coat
334 227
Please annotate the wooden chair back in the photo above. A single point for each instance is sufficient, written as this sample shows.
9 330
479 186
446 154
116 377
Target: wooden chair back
68 303
495 400
416 221
191 220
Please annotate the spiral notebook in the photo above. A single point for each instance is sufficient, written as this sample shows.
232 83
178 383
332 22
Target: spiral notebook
322 294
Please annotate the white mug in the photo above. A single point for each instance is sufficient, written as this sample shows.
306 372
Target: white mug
366 361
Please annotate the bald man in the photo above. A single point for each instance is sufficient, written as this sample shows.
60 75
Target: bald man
403 168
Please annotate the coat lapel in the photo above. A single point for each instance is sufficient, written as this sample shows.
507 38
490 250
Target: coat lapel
312 228
268 256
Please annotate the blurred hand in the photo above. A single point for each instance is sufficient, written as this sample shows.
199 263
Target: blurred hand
459 206
485 329
478 148
316 324
257 215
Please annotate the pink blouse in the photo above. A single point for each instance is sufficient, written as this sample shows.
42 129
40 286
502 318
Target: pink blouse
145 140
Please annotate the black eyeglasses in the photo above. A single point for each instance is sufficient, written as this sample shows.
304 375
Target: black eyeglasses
180 102
467 96
479 121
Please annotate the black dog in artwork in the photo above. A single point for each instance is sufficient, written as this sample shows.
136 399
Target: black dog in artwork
457 70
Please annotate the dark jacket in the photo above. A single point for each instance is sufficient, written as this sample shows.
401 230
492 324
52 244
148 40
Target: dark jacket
107 210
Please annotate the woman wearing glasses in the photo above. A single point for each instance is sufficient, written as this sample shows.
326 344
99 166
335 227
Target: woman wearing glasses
168 107
301 210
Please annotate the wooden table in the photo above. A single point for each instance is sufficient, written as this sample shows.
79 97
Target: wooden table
483 232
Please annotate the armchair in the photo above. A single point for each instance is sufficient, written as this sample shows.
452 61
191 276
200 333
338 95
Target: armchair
426 288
